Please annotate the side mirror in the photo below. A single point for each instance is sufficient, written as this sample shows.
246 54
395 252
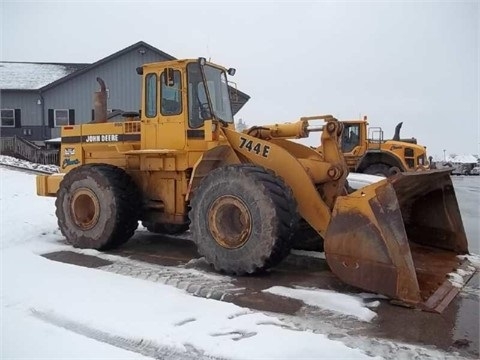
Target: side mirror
169 78
231 71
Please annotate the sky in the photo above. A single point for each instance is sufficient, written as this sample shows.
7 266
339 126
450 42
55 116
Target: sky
410 61
41 320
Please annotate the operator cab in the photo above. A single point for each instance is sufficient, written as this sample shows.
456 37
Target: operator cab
184 101
351 137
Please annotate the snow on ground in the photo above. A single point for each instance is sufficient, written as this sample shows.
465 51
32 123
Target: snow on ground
54 310
357 181
8 160
352 305
313 254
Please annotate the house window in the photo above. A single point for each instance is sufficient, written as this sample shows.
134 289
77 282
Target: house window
8 117
61 117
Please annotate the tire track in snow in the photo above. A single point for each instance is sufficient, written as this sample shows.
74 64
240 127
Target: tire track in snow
192 281
140 346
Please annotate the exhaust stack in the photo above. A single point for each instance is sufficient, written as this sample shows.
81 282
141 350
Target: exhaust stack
100 103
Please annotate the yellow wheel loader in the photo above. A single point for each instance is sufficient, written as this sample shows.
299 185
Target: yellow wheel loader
366 151
181 163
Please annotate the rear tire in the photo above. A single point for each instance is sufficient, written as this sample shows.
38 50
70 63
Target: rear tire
243 218
98 206
378 169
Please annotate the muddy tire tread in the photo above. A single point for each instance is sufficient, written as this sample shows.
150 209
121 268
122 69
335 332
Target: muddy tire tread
282 200
126 192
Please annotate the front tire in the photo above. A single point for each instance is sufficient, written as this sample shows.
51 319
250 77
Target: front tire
378 169
97 207
242 219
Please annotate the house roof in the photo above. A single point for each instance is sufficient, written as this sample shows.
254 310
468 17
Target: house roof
33 76
44 76
105 60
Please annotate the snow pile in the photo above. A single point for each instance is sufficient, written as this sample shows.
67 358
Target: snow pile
357 181
24 164
474 259
459 277
313 254
462 159
350 305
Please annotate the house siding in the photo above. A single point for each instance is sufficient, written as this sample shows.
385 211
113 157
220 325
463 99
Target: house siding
121 79
26 101
32 133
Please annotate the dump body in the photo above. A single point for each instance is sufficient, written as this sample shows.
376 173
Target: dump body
174 166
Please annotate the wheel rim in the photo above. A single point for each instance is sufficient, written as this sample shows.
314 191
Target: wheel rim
85 208
229 222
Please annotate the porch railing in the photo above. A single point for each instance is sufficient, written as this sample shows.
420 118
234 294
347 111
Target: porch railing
21 148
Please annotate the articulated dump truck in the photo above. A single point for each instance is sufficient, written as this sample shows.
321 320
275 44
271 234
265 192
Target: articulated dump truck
182 164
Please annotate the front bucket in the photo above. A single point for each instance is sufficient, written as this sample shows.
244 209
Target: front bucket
400 237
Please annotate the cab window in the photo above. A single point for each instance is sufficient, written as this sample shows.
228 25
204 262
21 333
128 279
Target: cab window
171 94
151 95
198 106
351 137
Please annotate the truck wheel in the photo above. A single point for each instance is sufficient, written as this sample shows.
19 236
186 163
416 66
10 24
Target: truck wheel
378 169
243 218
98 206
170 229
306 238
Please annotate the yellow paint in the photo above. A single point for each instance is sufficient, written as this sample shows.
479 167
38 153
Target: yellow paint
395 149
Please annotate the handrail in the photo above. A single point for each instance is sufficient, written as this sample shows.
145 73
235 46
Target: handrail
19 147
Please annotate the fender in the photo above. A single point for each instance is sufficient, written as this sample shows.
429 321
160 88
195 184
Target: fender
379 156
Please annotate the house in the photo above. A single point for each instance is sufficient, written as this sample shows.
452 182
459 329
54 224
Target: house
36 99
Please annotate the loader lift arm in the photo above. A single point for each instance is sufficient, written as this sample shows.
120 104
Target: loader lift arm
302 168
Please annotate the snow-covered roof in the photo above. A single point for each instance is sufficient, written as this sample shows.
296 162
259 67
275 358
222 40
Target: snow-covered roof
33 76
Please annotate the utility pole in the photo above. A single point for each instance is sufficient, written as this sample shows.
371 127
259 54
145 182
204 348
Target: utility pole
444 158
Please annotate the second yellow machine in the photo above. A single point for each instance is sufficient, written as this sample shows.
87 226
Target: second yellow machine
181 164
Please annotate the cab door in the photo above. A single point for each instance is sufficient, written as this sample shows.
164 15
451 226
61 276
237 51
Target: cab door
171 125
351 144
